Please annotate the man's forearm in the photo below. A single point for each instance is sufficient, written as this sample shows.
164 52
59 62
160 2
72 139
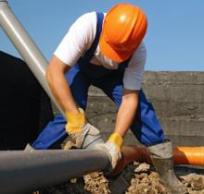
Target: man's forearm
126 112
59 87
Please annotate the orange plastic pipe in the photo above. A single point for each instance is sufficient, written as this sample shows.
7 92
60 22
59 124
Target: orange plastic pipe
181 155
189 155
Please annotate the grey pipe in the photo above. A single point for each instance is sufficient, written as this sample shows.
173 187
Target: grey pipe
25 46
22 171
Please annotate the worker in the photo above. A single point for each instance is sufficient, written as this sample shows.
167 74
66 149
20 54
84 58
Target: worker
106 50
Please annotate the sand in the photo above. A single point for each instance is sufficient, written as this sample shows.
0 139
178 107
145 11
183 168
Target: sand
136 178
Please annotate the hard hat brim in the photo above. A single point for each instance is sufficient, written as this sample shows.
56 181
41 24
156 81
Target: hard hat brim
115 55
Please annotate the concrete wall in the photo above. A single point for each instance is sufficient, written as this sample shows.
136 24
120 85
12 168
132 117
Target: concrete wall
177 98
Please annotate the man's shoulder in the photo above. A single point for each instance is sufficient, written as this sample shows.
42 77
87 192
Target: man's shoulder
84 25
140 52
89 17
138 57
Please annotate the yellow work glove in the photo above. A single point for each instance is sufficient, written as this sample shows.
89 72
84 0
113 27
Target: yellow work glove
113 148
82 133
76 121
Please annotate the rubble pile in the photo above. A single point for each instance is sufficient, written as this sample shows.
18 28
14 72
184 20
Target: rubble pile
136 178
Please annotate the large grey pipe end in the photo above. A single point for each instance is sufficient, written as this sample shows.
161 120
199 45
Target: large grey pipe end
22 171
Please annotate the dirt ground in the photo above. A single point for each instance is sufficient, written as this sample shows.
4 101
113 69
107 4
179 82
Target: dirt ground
137 178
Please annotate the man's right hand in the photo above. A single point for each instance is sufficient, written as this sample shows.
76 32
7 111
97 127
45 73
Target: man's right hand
75 121
82 133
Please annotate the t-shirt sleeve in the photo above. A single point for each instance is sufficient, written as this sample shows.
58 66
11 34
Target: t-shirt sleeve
133 75
77 40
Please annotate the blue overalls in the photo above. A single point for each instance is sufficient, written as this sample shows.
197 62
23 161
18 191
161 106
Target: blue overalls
145 127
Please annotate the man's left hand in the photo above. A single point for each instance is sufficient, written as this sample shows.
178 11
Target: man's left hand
113 148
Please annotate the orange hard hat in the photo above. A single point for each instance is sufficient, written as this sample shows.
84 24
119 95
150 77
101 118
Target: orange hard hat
123 30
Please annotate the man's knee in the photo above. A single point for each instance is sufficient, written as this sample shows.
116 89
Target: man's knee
149 139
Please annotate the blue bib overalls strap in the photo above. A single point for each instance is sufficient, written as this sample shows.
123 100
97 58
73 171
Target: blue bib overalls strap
145 127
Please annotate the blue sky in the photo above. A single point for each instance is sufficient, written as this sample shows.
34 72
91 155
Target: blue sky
174 39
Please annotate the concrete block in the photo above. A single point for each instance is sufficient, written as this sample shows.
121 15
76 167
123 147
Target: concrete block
177 98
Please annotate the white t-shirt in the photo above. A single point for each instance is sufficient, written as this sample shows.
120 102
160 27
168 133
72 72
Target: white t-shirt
79 39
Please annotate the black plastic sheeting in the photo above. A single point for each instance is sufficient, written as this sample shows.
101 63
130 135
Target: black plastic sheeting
24 106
